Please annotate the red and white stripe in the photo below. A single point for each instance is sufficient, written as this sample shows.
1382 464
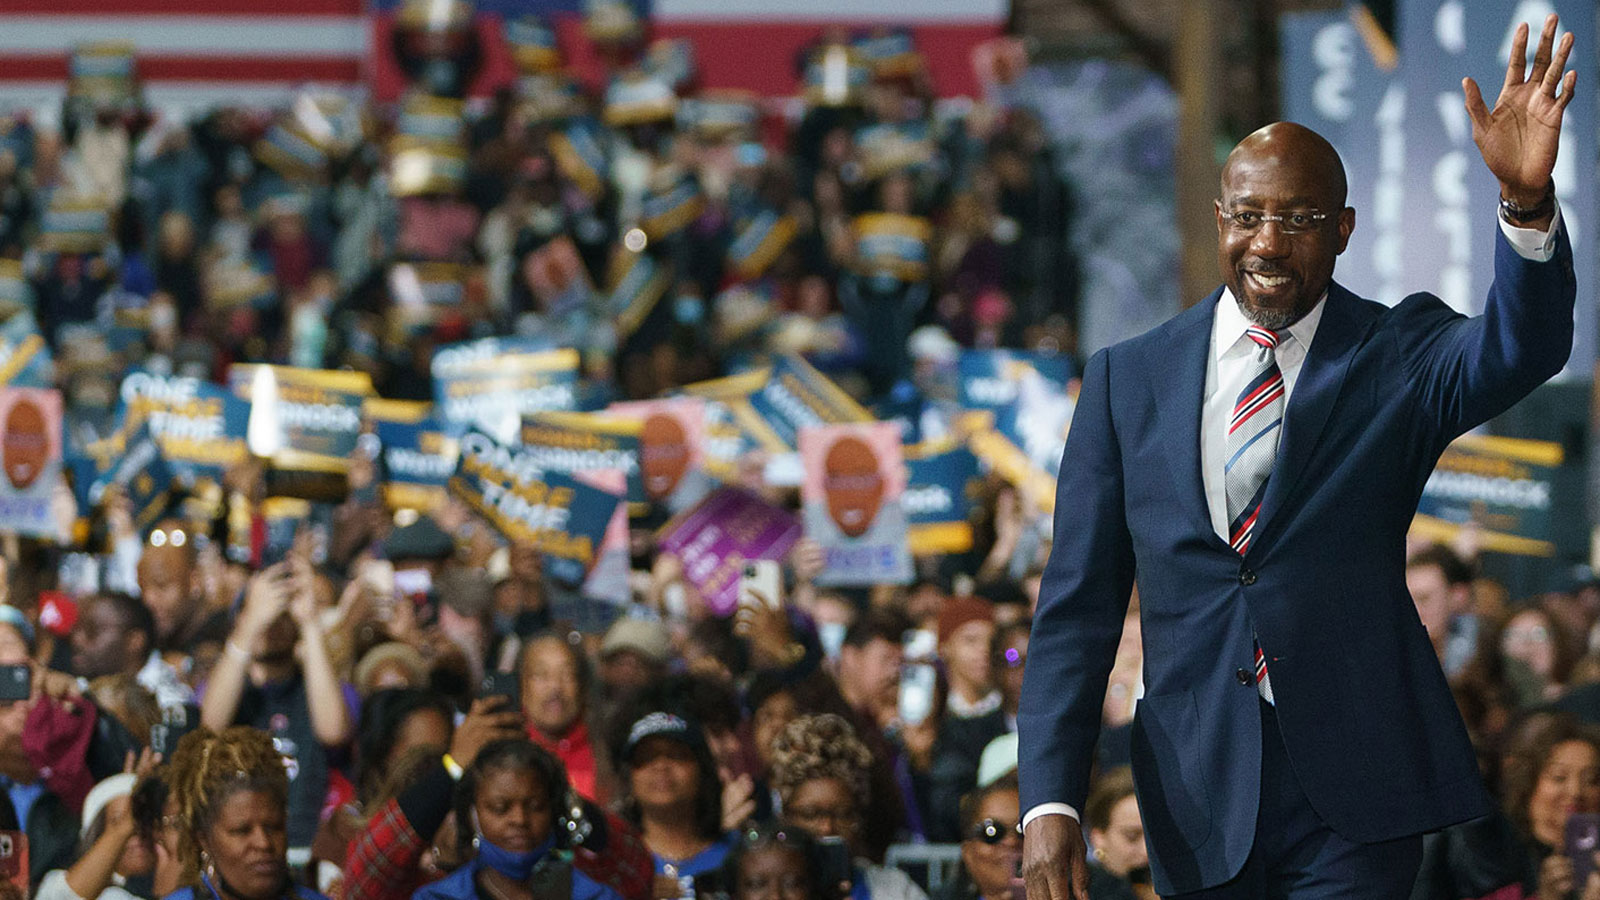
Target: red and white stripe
751 44
191 53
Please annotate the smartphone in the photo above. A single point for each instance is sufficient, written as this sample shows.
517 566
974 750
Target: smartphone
917 683
14 859
835 870
377 575
1583 841
16 682
176 722
502 684
761 585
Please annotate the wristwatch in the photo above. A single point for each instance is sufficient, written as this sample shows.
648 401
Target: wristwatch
1517 215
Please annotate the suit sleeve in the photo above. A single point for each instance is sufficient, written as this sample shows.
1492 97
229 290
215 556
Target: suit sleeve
1083 598
1464 371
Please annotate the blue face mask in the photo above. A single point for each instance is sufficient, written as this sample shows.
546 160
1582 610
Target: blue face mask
516 866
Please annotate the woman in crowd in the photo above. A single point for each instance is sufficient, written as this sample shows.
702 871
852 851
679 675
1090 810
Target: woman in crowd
232 794
675 798
395 723
1539 653
1552 770
771 863
820 771
508 806
991 849
1119 865
113 849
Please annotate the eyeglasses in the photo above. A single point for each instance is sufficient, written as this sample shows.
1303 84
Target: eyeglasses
173 536
993 831
842 819
1295 221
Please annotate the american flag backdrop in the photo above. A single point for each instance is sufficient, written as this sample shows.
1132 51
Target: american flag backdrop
191 53
197 53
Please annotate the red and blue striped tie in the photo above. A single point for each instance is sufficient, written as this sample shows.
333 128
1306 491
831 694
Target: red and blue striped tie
1253 433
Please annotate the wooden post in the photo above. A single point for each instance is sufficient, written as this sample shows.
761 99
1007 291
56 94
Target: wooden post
1196 74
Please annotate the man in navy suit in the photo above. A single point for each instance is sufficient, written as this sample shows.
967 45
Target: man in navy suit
1254 464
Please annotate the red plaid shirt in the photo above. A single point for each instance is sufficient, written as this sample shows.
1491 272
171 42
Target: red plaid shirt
384 863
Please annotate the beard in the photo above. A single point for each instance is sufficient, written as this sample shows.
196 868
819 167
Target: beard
1272 319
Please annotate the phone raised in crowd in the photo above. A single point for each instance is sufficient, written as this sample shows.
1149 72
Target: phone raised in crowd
836 872
1582 843
918 678
761 585
16 682
502 684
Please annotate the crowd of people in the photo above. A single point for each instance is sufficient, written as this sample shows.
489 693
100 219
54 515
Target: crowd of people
194 722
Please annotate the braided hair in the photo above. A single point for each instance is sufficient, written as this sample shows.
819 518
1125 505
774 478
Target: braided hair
209 767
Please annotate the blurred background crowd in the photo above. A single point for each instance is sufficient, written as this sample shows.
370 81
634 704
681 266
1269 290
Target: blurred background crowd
259 667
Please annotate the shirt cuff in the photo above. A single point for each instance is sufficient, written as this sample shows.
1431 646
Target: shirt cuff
1050 809
1533 244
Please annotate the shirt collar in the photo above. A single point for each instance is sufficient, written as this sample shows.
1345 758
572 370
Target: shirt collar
1231 324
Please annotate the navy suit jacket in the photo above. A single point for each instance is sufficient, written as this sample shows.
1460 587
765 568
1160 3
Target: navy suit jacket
1367 718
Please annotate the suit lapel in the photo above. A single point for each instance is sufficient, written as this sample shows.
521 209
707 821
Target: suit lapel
1321 378
1180 389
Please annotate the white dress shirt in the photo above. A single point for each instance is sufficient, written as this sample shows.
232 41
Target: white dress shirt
1228 365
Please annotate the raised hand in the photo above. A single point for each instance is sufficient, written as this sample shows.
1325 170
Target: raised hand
1519 137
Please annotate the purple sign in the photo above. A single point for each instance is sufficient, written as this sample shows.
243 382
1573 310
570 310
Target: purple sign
717 536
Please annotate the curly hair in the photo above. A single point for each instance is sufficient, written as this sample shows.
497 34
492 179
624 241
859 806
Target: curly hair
824 746
209 767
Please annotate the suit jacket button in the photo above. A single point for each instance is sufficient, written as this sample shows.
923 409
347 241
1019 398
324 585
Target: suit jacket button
1247 576
1242 675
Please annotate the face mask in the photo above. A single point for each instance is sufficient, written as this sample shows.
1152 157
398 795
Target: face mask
516 866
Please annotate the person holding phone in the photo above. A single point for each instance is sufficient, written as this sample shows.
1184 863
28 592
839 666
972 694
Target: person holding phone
275 674
1551 775
820 771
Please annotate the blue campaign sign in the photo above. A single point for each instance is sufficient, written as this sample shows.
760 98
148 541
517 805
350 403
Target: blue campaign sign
1450 206
1342 92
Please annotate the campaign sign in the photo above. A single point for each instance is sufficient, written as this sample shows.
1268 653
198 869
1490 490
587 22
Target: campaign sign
570 443
673 439
608 577
24 358
792 396
416 456
854 477
562 517
1502 485
30 454
720 534
200 426
1023 405
317 413
491 387
940 485
142 474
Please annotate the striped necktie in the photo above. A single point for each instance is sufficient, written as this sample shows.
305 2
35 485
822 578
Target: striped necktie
1253 432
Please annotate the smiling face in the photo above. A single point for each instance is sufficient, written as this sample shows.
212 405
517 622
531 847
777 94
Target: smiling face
1276 276
853 485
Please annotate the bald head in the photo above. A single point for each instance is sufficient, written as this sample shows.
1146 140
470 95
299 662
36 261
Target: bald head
1297 149
1281 222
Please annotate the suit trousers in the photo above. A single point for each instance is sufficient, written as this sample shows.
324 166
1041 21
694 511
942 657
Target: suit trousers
1296 855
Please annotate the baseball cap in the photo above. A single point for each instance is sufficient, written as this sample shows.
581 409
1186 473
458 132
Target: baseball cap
999 759
662 724
642 636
